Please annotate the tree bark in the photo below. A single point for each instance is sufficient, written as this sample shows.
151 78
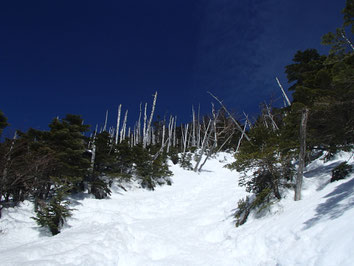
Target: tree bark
118 121
284 94
105 122
302 154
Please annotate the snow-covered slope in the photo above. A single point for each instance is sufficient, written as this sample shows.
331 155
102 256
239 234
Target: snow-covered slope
191 223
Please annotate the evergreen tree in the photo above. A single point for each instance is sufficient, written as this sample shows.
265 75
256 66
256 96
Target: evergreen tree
149 170
53 214
66 139
103 166
25 167
326 88
269 156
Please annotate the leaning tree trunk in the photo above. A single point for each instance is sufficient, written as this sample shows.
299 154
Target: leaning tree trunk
148 126
300 171
204 145
232 118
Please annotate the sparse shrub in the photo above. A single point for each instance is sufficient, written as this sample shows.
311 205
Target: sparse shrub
173 154
242 211
151 171
185 161
258 203
99 188
54 213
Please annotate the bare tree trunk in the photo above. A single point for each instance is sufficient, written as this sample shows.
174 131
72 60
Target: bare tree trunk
226 141
8 159
214 121
270 115
93 155
185 136
163 134
144 126
346 39
174 132
138 128
105 122
239 141
283 91
233 119
207 157
198 128
160 151
150 121
206 136
248 121
118 121
193 128
300 171
122 132
153 140
170 131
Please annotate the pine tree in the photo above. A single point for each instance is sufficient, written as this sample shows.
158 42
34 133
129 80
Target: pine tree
104 165
268 155
53 214
148 170
66 139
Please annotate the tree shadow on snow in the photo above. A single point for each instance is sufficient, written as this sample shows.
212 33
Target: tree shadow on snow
320 170
332 208
323 170
205 171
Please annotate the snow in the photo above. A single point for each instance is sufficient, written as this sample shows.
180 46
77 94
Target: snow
191 223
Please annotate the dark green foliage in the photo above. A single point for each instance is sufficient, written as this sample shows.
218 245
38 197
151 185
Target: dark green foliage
269 157
257 203
325 86
67 140
105 154
123 161
53 214
186 161
173 154
25 166
348 14
339 40
327 90
304 72
99 187
150 171
3 122
243 210
341 171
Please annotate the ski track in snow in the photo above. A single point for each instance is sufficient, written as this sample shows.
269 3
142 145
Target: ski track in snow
191 223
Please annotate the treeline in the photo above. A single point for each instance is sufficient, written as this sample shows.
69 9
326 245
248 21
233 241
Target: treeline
47 166
320 119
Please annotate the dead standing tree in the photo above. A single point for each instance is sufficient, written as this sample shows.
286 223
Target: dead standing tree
238 126
302 154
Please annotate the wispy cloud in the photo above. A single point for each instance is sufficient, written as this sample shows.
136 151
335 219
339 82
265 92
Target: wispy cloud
244 44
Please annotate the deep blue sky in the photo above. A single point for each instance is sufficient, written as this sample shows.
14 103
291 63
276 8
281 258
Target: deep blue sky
85 57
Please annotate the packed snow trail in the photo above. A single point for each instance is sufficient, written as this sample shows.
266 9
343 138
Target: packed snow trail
191 223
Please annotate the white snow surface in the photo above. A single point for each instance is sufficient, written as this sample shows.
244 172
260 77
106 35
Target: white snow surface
191 223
